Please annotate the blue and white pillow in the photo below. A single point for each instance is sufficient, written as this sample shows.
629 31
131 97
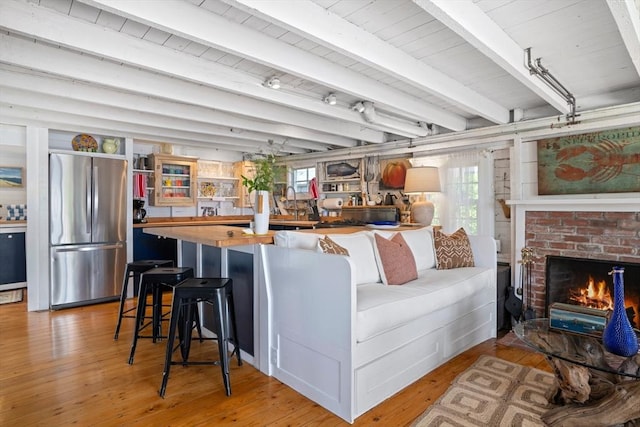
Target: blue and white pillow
16 212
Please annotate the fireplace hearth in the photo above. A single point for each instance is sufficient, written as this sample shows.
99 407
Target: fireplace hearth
587 282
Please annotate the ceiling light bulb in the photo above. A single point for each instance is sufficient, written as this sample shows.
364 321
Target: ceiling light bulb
330 99
359 107
273 83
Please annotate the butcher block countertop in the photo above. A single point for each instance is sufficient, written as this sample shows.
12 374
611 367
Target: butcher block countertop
10 224
222 220
221 236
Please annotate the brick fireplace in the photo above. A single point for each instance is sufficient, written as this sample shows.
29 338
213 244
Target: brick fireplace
611 236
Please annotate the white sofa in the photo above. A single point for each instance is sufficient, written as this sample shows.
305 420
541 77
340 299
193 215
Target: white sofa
346 341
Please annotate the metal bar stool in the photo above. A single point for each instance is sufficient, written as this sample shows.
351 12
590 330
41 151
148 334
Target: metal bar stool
134 269
217 292
153 280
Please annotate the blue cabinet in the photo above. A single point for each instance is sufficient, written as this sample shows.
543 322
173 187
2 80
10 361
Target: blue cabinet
148 246
13 256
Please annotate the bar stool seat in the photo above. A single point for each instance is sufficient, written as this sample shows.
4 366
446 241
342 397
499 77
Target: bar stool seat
134 269
218 293
153 280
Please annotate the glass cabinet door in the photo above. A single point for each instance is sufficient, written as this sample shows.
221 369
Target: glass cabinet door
174 179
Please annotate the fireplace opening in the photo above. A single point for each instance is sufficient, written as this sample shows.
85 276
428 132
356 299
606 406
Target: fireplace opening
586 282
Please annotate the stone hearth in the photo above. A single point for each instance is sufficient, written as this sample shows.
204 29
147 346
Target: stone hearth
612 236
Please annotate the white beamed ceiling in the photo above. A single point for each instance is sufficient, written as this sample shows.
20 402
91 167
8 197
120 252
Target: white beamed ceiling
192 72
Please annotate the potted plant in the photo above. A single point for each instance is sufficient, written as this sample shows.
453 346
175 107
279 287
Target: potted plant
262 184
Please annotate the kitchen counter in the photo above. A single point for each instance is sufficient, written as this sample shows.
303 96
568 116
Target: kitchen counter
212 252
212 235
22 224
220 220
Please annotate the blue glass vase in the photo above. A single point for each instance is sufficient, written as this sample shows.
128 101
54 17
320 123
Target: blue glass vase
618 336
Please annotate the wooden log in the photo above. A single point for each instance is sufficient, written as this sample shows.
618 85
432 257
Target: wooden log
619 407
572 382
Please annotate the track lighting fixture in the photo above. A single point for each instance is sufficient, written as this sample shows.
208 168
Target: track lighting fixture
330 99
273 83
358 106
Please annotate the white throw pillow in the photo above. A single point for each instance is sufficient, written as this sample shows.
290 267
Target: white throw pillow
420 242
360 247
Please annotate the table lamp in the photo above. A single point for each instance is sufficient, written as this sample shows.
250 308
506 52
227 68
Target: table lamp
422 180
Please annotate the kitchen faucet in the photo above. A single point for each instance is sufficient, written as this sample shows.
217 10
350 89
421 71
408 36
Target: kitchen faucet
295 201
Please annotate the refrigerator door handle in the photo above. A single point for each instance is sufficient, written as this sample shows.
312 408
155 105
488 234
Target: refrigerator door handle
96 198
88 211
86 248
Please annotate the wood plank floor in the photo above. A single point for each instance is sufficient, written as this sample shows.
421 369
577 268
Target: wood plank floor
62 368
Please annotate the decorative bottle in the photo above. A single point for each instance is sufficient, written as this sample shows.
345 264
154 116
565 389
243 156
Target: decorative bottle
618 336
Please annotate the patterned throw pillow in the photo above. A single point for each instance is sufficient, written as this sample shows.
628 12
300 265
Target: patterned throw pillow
328 246
395 260
453 250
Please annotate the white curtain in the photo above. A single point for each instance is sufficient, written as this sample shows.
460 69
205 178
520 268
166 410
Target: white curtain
466 199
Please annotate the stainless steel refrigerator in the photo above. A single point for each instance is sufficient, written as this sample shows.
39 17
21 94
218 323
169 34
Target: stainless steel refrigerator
87 211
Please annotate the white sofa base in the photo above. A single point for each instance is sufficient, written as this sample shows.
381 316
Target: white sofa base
311 338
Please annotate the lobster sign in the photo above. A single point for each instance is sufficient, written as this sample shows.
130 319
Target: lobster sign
597 162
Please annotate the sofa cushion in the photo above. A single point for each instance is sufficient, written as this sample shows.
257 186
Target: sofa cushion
420 241
296 240
395 260
383 308
328 246
360 247
452 250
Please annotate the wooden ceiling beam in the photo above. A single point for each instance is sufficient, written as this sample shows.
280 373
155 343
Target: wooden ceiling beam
474 26
196 24
29 55
43 24
312 21
626 13
171 112
69 122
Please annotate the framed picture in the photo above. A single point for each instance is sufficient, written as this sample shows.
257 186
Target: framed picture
11 177
393 173
345 169
596 162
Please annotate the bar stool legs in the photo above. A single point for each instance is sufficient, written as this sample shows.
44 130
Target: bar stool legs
217 293
153 280
134 269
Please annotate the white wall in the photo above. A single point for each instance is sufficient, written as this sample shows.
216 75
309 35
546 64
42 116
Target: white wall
13 153
502 190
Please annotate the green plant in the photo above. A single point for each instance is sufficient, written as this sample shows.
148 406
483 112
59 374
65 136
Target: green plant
264 175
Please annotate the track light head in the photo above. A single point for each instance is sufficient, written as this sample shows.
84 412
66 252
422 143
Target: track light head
358 106
273 83
330 99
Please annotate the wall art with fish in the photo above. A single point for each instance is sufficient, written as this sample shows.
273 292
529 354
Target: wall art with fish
597 162
342 170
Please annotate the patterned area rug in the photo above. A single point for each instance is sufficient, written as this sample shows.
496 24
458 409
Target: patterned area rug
492 392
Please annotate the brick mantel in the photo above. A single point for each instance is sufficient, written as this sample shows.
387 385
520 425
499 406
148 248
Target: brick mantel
593 230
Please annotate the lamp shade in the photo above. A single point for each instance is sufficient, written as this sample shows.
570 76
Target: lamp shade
422 180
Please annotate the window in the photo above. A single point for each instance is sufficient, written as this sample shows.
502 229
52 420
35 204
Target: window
301 178
463 202
462 193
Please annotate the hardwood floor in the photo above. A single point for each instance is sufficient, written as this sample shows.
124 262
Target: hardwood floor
62 368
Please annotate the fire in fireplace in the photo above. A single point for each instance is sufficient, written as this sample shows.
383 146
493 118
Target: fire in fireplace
592 294
587 282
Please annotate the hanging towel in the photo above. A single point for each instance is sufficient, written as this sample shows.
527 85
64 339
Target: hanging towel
313 189
139 186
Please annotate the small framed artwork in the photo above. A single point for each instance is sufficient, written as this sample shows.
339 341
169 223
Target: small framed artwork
11 177
345 169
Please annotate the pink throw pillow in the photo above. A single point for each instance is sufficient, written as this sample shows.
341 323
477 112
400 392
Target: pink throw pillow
395 260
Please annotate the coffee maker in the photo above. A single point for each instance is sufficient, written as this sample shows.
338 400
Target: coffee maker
139 213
